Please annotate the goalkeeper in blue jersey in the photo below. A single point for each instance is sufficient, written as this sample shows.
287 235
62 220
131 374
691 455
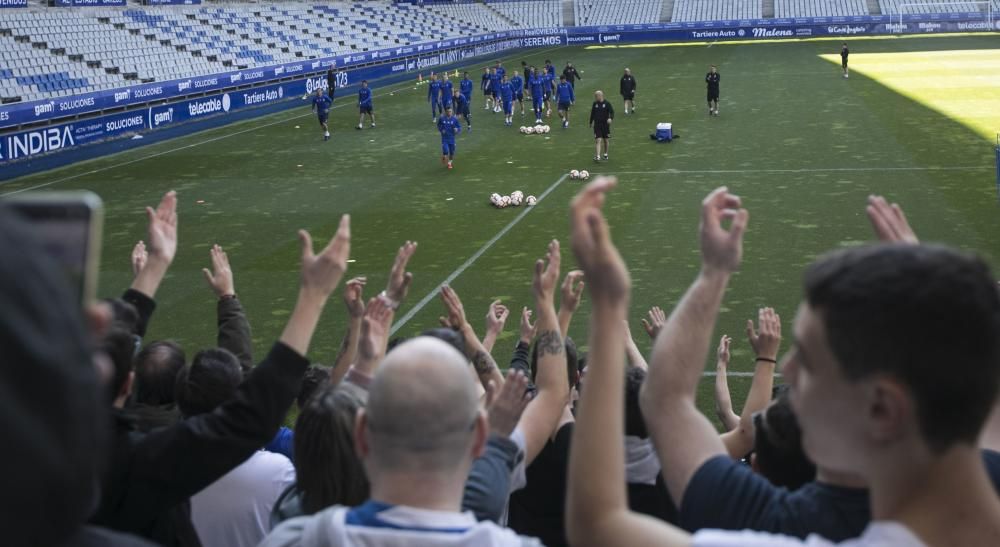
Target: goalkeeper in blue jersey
365 104
449 126
321 106
564 99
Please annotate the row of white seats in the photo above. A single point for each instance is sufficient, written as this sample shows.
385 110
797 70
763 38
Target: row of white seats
716 10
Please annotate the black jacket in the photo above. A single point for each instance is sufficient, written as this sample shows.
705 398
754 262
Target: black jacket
627 85
151 476
571 74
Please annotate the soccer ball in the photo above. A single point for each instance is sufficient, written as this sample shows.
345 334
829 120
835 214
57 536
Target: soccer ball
545 128
574 174
584 174
517 193
539 129
531 200
494 198
529 130
523 129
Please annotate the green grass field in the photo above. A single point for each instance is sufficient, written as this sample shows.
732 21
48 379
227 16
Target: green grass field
800 144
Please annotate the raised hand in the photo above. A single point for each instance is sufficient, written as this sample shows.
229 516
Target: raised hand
152 258
889 221
374 335
527 328
321 273
139 257
496 317
547 275
453 305
591 242
723 351
399 278
765 343
656 321
163 228
220 278
572 291
722 249
353 300
506 404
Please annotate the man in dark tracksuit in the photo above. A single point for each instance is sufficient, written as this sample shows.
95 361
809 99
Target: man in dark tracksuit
331 82
601 116
627 89
571 74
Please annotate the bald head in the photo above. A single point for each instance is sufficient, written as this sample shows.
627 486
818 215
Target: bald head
422 409
598 95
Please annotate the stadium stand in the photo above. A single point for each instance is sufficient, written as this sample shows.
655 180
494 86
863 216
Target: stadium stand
914 7
819 8
46 53
616 12
717 10
528 14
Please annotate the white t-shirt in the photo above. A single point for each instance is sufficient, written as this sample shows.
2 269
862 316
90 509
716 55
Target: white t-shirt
877 534
375 524
235 510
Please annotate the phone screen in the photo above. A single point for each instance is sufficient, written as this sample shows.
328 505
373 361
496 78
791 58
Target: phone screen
68 226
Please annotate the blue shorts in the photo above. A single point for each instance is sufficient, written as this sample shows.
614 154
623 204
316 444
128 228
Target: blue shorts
507 106
448 148
366 109
322 116
564 105
468 98
548 95
519 96
446 102
536 101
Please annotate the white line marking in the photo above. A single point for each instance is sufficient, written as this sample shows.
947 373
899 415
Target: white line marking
736 374
472 259
805 170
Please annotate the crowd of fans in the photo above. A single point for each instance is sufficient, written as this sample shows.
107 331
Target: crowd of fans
877 436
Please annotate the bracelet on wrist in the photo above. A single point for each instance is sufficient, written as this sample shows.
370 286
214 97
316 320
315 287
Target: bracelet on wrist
392 304
766 360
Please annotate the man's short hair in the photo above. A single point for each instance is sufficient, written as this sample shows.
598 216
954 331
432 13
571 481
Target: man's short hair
119 345
315 378
926 315
211 380
328 471
422 408
156 370
778 446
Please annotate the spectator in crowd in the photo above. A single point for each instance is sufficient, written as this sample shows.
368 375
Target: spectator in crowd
865 375
233 510
156 367
55 402
142 491
417 438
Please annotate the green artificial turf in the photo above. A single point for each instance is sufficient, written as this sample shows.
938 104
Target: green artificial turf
800 144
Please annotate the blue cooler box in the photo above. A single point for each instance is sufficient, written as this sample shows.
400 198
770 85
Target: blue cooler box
664 132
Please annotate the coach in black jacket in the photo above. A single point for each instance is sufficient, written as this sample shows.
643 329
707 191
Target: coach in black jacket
151 476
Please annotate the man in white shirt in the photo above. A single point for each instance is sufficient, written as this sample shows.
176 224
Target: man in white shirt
894 370
235 510
417 438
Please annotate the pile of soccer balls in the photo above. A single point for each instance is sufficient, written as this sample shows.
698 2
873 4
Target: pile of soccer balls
533 130
515 199
582 175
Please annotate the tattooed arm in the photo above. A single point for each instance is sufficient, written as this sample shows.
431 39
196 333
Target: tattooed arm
486 368
542 416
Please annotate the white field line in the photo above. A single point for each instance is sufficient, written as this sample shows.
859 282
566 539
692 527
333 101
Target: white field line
472 259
